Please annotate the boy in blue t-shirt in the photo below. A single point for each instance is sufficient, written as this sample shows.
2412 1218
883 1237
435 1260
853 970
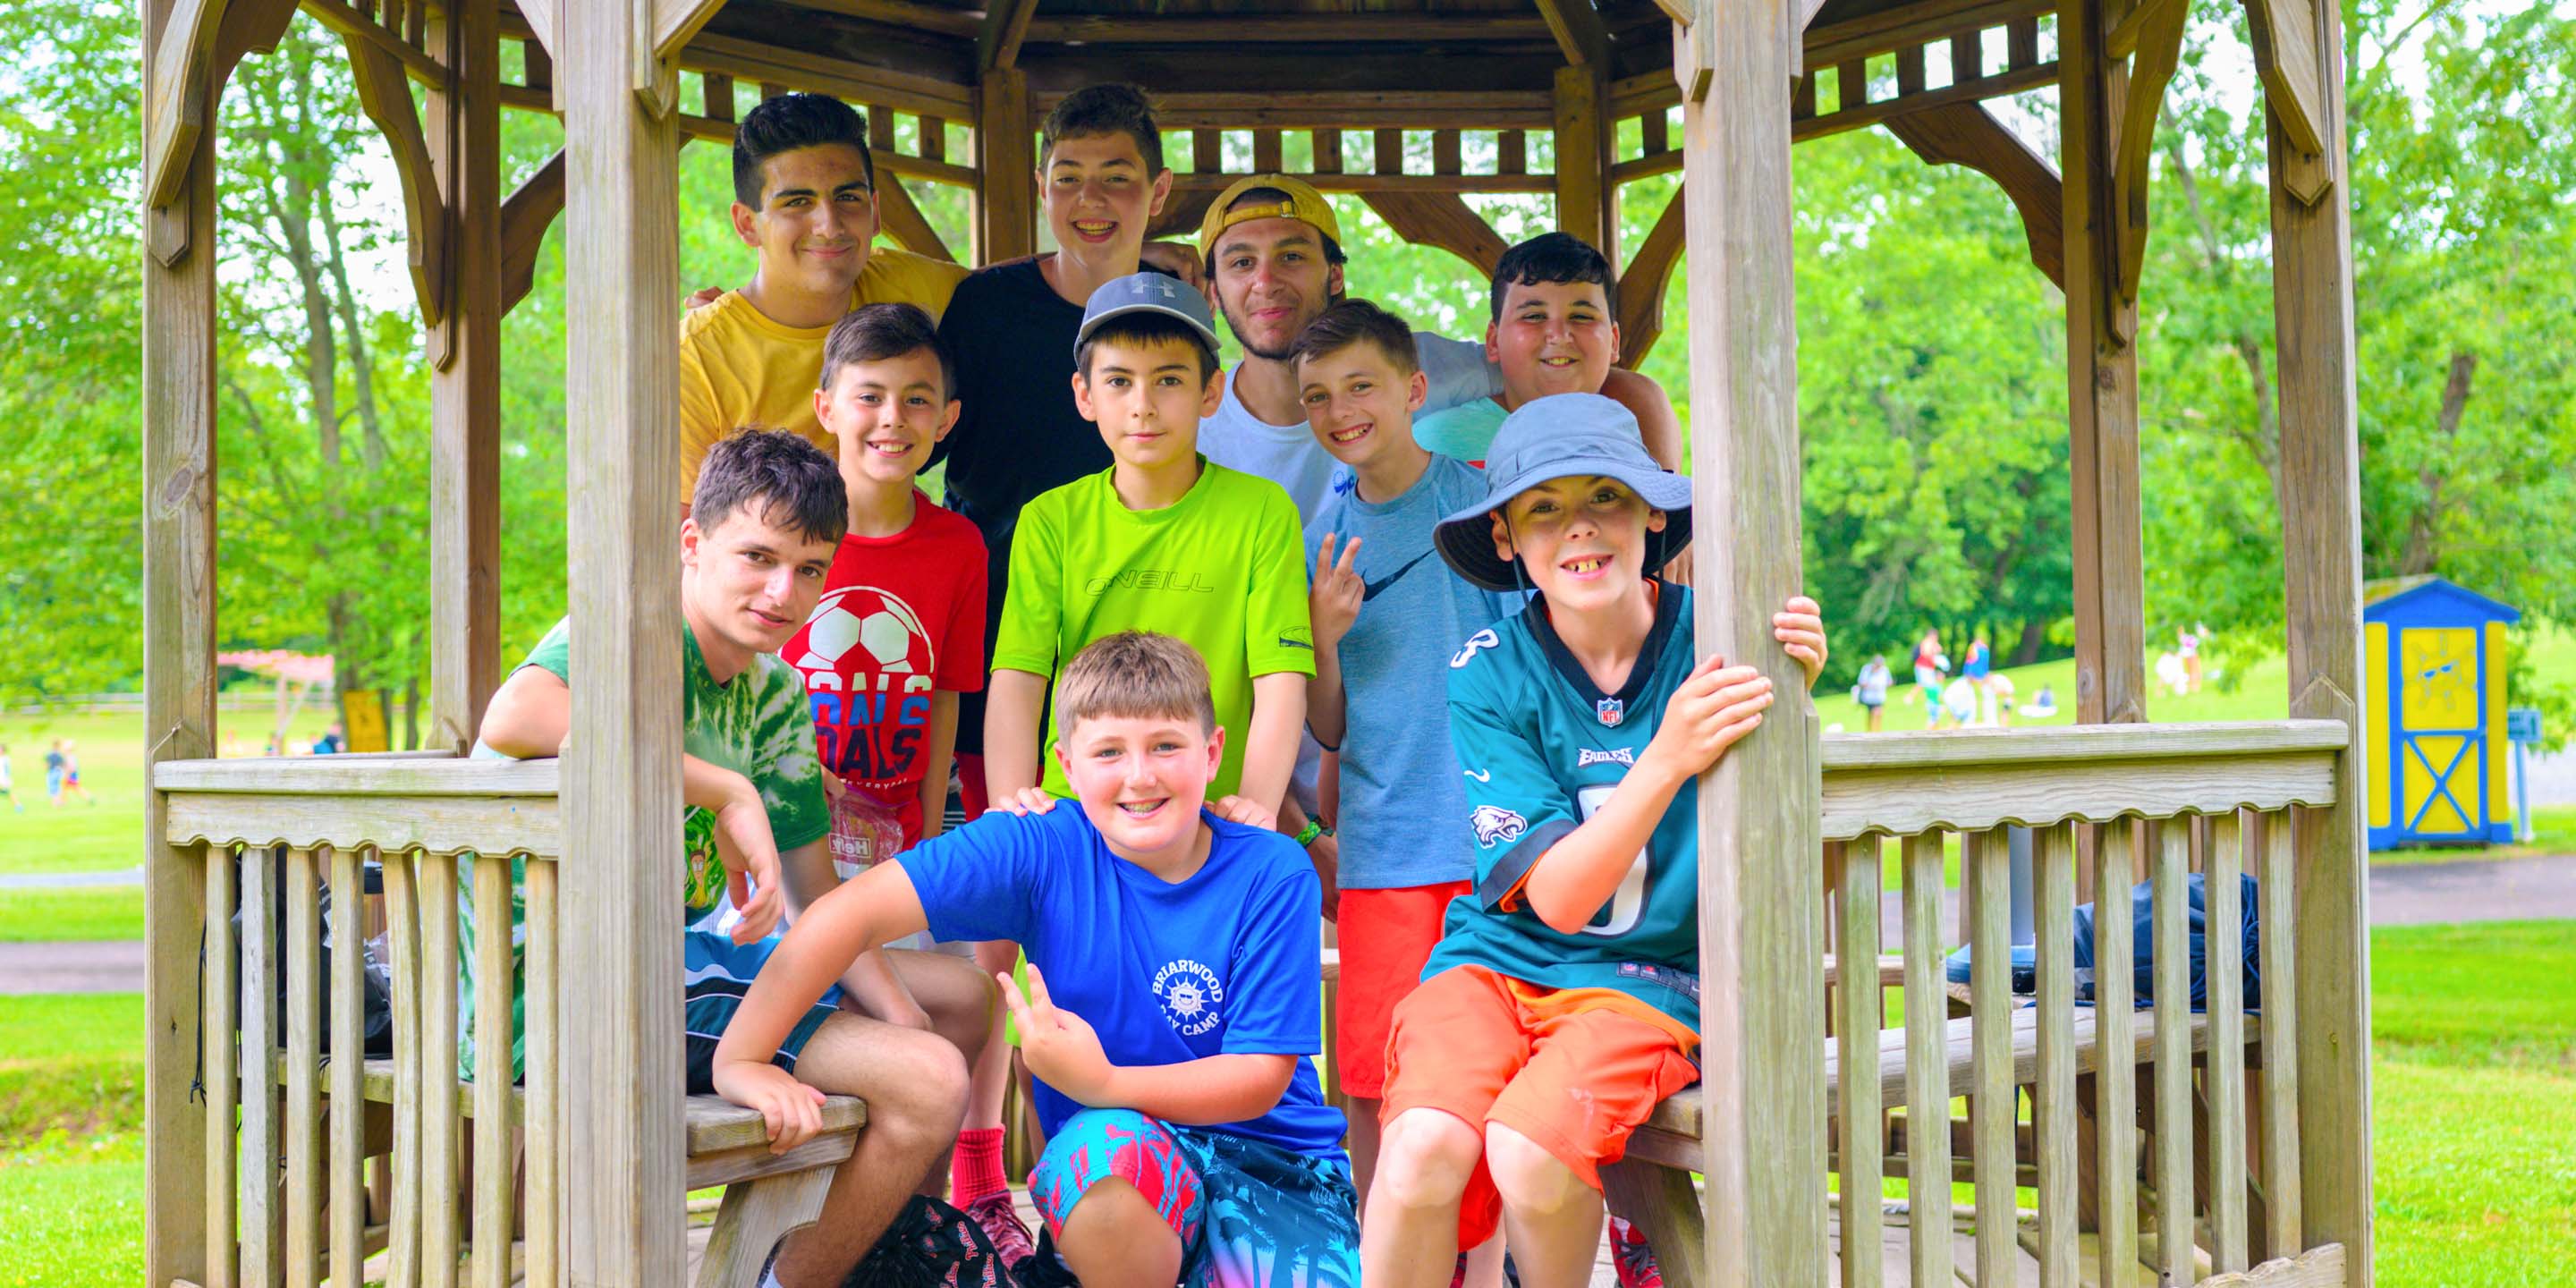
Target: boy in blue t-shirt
1387 614
1171 1002
1562 1003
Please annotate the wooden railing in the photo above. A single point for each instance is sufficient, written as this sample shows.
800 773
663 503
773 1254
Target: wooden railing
2213 1092
290 1203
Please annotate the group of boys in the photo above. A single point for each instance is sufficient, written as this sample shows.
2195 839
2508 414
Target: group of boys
1152 583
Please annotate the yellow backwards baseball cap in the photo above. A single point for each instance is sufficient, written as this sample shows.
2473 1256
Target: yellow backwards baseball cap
1302 202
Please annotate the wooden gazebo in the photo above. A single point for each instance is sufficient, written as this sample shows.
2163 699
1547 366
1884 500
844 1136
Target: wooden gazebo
2208 1141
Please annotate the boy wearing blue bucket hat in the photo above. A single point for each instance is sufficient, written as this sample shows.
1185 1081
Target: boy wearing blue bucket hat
1562 1003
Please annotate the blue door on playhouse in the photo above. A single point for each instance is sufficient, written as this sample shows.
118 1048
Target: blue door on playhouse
2434 665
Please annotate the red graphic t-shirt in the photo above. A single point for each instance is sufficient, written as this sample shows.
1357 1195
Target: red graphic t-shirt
900 616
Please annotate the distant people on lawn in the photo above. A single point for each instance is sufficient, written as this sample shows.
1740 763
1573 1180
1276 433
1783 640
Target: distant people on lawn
9 780
1871 690
333 741
62 773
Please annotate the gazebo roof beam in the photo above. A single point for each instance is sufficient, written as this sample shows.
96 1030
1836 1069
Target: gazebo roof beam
1006 24
1913 24
1579 32
1306 28
1504 109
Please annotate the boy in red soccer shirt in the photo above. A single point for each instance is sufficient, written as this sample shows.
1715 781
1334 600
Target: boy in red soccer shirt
897 635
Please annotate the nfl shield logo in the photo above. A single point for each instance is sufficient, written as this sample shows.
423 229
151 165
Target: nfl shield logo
1610 710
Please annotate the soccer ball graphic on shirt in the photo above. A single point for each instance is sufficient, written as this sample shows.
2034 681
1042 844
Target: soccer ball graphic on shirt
885 629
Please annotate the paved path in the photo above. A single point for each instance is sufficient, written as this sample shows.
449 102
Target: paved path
68 880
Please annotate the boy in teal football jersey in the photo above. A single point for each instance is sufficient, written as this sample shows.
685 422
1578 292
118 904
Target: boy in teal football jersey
1562 1003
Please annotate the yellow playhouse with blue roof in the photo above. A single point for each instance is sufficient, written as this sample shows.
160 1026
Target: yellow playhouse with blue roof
2434 667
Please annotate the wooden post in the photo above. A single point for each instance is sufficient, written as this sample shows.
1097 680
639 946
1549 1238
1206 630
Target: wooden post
1586 204
1006 204
2101 383
465 382
1763 1134
622 1169
178 663
2321 554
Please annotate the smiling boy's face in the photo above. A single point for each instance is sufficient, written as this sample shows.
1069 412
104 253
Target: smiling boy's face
1141 779
887 414
1099 197
817 216
1582 540
1553 338
1147 398
752 581
1359 403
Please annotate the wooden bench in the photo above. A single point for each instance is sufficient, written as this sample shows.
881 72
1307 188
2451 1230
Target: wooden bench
1652 1187
766 1195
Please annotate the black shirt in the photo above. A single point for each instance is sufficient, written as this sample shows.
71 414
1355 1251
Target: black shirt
1017 433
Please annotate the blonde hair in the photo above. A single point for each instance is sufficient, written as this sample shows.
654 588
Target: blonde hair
1137 675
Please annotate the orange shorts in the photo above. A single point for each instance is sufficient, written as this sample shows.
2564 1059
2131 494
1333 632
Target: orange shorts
1574 1071
1386 936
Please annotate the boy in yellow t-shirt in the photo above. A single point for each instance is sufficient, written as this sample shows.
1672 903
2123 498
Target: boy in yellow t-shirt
1161 540
805 199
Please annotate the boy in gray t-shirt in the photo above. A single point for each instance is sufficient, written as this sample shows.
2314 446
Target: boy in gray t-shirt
1388 614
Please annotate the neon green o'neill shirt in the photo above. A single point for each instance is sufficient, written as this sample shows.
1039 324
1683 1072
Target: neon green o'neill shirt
1223 569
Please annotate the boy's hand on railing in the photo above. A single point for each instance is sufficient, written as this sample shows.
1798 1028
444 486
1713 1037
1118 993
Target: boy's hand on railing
792 1111
1026 801
1334 601
1714 708
1800 628
1060 1047
752 874
1326 853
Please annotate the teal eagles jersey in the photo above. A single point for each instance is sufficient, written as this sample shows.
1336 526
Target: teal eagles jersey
1542 748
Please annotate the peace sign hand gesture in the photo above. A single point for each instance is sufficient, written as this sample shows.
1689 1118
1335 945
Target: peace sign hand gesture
1334 601
1059 1046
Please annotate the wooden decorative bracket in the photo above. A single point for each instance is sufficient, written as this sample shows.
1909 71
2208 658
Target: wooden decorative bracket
904 222
1966 134
2150 35
543 20
1641 286
1579 32
2294 75
386 95
1006 24
200 44
525 215
1440 219
176 82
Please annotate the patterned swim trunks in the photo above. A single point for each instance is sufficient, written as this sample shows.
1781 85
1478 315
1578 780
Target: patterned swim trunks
1249 1214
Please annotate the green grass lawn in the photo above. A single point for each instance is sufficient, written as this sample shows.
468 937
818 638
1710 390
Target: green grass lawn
46 915
2474 1078
105 836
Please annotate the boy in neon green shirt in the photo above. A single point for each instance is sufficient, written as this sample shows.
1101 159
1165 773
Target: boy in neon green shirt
1160 541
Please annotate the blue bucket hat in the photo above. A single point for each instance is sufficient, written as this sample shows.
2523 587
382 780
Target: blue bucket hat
1563 436
1148 292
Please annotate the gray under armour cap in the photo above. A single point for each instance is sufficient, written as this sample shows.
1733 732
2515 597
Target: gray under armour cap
1147 292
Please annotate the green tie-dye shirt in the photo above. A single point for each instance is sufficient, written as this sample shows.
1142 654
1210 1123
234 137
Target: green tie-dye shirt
758 725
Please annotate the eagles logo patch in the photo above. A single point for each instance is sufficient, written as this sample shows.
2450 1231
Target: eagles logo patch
1495 825
1485 638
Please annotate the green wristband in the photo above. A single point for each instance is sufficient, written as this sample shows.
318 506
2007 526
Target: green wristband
1313 832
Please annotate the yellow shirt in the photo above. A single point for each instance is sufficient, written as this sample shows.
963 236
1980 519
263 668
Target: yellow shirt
738 368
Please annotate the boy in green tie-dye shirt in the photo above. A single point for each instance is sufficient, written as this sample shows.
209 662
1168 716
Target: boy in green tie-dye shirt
768 514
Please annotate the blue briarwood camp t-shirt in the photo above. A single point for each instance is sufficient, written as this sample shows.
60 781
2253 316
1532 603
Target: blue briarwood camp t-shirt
1540 748
1223 963
1404 811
